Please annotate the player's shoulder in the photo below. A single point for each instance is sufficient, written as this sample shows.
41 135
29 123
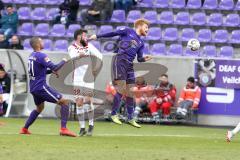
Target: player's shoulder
125 28
90 45
72 46
129 29
40 55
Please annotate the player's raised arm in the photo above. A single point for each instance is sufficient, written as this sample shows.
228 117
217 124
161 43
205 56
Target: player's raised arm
119 32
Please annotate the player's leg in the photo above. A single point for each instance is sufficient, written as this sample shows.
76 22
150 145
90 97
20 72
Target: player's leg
138 108
119 75
80 114
64 111
130 103
120 86
51 95
90 110
233 132
130 83
34 114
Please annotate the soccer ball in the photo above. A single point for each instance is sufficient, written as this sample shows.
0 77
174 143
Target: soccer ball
193 44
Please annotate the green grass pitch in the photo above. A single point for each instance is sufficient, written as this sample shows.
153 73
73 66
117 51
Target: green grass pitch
113 142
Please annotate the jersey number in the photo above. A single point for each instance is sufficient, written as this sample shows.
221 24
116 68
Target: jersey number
30 68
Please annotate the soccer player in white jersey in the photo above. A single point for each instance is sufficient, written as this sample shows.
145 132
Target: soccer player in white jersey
83 92
232 133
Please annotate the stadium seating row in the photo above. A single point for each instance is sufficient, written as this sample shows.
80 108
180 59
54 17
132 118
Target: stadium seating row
181 18
165 17
167 33
192 4
47 2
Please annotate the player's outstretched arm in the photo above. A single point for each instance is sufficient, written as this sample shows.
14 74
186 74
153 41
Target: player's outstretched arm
109 34
49 64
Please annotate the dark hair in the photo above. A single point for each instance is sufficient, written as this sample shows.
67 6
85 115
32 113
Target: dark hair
191 79
9 6
164 75
2 67
79 32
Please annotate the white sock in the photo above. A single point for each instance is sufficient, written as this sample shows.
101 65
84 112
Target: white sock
137 111
236 129
91 122
81 118
90 110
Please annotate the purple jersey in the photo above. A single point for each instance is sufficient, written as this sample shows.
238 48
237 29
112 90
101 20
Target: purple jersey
129 43
39 65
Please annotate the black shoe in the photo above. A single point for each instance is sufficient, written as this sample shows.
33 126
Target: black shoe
90 131
82 132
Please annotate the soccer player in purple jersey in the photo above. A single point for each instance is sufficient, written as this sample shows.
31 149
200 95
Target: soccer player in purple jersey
39 65
130 45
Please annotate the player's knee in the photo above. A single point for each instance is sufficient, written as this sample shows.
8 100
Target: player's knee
40 108
63 102
87 100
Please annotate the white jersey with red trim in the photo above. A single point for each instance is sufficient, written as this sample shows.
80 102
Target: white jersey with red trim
89 53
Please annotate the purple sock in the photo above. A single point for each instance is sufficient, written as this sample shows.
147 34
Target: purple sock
64 115
33 116
116 103
130 107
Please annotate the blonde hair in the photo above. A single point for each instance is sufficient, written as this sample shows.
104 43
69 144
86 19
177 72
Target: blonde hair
140 22
34 42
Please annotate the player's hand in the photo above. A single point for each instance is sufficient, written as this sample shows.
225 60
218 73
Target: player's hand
93 37
56 73
159 100
148 58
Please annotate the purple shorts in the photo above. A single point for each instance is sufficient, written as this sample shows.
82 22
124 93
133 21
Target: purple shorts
47 94
122 69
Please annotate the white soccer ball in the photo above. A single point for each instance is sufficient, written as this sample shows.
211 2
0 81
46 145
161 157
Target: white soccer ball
193 44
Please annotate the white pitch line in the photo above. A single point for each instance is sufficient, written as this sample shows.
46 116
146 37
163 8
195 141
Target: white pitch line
127 135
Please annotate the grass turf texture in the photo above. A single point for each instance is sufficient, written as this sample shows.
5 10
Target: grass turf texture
113 142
